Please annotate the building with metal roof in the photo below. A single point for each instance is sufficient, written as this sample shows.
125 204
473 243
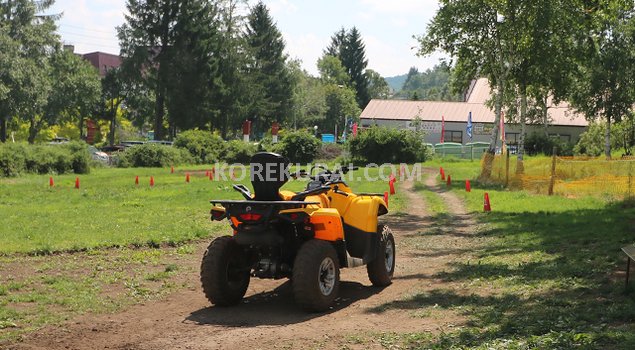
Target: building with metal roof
564 122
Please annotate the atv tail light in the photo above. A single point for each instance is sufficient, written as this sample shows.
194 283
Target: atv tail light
295 217
217 214
250 217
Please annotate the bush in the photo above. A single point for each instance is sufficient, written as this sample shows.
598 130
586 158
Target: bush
385 145
237 151
12 159
539 143
153 155
80 157
204 146
298 146
330 151
16 159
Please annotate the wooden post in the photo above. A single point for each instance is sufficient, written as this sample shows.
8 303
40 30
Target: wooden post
507 170
628 269
553 171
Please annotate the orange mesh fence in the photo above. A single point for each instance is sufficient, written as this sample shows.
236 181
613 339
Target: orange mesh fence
573 176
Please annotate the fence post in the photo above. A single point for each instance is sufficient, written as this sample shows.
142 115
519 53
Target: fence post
507 170
630 178
553 171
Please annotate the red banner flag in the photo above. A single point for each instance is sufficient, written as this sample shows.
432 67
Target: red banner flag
442 129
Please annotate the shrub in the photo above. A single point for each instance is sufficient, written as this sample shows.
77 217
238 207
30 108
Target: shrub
80 157
385 145
330 151
539 143
16 159
204 146
12 159
153 155
298 146
237 151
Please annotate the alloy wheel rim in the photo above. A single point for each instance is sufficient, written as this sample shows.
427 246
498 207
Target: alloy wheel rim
326 276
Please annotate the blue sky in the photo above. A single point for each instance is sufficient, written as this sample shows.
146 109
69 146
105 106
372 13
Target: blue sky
386 26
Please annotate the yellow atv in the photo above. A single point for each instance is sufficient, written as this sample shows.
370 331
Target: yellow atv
305 236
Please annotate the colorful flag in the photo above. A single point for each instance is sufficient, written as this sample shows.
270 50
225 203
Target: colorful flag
469 126
354 129
442 129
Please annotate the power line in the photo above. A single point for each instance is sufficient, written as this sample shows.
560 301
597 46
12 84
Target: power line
83 28
63 32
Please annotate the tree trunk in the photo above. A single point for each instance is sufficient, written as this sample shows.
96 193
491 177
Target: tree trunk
113 124
520 169
545 116
607 138
488 161
33 130
3 129
159 115
81 128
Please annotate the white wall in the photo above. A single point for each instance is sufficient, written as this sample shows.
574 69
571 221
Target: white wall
481 131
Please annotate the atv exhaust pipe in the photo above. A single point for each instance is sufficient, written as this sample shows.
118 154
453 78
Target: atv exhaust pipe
353 262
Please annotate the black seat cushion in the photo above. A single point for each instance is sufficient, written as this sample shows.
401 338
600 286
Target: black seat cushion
268 174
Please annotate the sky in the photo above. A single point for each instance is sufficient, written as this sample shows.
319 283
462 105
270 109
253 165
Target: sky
387 28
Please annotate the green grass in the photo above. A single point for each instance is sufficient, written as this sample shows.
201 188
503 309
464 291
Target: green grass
109 210
548 275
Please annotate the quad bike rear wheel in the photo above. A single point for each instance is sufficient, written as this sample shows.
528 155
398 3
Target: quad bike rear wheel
223 274
381 270
316 276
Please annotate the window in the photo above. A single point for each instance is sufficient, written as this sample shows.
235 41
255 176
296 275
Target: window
512 138
453 136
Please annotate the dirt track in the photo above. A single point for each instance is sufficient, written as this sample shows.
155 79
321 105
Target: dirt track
269 319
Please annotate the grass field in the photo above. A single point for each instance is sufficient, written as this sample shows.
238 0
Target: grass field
550 274
109 210
110 244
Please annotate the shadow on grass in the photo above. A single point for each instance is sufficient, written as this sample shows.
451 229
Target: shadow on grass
558 283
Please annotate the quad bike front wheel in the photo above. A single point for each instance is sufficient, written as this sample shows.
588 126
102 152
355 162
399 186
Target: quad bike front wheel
381 270
316 276
223 274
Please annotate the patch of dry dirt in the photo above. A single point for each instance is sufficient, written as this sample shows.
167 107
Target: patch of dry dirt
268 318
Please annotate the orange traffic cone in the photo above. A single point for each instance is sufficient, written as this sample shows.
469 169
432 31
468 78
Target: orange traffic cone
187 177
51 182
391 184
77 183
136 180
386 198
442 173
468 186
486 203
449 183
151 181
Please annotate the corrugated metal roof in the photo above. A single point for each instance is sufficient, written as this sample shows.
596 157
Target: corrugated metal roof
479 92
456 111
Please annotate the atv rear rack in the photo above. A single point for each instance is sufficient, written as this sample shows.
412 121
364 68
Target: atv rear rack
283 204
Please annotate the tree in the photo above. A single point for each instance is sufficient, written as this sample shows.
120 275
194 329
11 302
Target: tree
474 33
309 101
377 85
332 71
340 104
113 94
147 39
269 79
604 85
432 85
29 38
348 47
75 93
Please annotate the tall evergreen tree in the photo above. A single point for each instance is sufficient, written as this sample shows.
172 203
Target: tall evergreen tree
354 59
349 48
270 82
147 41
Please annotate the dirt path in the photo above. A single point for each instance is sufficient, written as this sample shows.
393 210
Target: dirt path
269 319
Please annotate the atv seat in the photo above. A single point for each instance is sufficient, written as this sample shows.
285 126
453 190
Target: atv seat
268 174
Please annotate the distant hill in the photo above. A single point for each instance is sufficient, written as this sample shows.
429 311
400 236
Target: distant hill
396 83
